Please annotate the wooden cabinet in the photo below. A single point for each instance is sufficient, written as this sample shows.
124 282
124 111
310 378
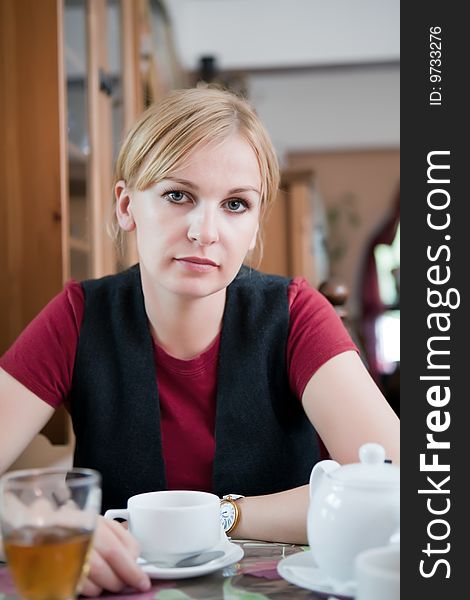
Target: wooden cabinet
293 234
71 84
70 80
32 122
102 96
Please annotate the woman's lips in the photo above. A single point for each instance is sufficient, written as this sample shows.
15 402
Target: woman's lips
197 264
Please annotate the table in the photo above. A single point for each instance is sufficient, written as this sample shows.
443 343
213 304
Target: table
253 578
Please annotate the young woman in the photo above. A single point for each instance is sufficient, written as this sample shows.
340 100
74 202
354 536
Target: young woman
190 371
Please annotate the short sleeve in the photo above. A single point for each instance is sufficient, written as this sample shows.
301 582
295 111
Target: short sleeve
316 334
43 356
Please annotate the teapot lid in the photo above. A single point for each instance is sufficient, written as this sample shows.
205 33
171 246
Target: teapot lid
371 470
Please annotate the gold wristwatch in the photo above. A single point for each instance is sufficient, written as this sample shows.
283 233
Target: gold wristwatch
229 512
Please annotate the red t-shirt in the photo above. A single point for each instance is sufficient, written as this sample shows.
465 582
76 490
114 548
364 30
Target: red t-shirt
43 356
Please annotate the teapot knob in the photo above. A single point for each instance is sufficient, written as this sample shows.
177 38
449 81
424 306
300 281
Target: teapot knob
372 454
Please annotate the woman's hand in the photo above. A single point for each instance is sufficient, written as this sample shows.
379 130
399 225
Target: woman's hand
112 563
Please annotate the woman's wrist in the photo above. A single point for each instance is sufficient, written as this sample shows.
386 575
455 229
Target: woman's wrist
280 517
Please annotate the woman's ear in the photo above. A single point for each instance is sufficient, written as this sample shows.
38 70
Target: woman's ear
123 209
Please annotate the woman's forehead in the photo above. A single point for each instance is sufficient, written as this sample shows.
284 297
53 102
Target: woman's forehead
233 157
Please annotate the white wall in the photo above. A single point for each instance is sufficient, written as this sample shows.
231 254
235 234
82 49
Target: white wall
328 109
284 33
345 94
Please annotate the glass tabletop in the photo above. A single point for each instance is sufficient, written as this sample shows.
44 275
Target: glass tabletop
254 577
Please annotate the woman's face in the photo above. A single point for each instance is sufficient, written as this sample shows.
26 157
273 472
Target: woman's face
195 228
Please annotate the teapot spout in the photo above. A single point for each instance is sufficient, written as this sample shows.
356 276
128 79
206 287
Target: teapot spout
319 471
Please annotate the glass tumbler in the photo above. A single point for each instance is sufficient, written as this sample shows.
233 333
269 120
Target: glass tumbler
47 518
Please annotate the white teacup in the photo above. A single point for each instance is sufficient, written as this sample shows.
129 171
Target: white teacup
172 525
378 574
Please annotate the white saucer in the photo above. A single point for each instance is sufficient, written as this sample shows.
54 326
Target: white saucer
300 569
232 553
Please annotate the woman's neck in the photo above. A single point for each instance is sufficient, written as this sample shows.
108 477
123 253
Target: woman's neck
184 327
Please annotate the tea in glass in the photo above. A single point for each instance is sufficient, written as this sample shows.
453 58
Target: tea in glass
48 518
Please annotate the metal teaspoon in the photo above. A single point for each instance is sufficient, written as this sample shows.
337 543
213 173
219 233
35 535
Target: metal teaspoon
191 561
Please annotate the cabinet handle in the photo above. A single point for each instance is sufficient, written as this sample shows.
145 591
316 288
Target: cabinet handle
106 83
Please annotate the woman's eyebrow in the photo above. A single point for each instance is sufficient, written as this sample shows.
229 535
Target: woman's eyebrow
183 182
195 187
248 188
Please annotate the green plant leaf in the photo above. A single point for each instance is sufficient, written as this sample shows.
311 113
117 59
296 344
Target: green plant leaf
333 215
354 220
232 593
172 595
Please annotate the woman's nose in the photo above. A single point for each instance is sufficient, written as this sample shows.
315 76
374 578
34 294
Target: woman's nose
203 227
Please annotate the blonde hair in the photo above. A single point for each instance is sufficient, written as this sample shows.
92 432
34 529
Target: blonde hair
160 141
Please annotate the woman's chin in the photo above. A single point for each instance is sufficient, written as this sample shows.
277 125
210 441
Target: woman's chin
196 287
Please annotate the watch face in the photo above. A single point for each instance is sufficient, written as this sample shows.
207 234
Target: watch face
227 515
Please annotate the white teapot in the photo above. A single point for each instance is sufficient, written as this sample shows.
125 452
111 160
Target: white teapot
352 508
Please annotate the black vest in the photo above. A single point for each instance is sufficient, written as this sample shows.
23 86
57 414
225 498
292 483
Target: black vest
264 442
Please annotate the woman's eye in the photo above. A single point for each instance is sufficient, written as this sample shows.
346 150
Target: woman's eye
237 206
176 196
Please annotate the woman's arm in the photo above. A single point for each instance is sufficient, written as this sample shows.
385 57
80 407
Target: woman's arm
22 416
347 409
280 517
